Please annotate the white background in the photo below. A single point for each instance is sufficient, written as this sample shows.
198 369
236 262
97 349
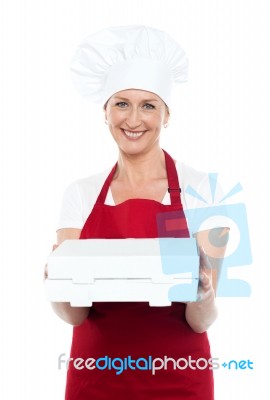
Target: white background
50 137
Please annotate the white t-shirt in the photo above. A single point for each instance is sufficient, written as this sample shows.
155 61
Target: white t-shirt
80 197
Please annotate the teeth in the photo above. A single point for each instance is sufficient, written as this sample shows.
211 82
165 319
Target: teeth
133 134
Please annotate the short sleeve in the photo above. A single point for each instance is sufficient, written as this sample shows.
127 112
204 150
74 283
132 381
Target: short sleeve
79 199
71 214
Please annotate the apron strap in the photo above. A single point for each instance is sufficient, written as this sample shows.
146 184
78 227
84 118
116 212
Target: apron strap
103 193
173 182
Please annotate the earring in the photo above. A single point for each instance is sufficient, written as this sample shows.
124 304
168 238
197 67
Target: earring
106 122
166 125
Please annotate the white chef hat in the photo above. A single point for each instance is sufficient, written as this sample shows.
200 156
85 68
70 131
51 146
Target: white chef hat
128 57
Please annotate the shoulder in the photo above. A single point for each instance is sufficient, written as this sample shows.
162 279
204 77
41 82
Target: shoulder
79 199
202 198
188 175
198 186
88 186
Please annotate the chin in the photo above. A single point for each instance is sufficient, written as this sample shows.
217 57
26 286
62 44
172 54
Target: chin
136 149
131 150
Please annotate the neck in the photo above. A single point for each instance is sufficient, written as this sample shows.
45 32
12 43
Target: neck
140 168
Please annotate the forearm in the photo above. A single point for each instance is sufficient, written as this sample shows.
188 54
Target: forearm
201 315
72 315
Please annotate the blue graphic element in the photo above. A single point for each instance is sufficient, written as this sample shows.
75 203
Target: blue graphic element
184 292
213 184
180 255
224 365
235 212
236 189
195 218
172 224
241 256
195 194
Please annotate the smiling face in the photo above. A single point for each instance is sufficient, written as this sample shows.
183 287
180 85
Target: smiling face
135 119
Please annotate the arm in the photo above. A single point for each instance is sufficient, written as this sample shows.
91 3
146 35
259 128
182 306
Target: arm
72 315
200 315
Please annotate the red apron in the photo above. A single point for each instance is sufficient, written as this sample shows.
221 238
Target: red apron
136 330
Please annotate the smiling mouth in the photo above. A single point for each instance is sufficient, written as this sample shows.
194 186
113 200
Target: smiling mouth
132 134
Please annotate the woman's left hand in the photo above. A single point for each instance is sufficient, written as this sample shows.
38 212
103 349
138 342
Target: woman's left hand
206 290
202 313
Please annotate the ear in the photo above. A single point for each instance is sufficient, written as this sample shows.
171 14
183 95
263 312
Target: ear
105 114
166 119
167 116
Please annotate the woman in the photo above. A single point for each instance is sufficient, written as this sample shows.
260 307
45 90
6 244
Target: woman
132 70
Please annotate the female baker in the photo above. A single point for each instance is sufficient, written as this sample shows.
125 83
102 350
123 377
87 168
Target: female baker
131 71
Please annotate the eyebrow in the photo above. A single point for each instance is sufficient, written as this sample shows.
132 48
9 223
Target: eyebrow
144 100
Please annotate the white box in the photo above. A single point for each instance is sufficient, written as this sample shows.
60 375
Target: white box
85 271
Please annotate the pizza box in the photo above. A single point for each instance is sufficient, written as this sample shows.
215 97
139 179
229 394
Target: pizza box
159 271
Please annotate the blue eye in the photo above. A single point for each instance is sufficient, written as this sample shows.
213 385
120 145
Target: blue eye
148 106
121 104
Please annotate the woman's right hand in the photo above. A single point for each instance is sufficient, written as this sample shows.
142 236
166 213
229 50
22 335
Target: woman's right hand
72 315
46 266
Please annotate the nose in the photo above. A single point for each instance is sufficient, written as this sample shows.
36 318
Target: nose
133 119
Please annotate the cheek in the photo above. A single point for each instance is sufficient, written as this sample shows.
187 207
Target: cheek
157 121
159 117
114 119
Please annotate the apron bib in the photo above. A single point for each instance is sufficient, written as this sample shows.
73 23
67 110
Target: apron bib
134 329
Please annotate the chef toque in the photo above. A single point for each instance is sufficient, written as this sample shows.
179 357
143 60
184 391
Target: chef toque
128 57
